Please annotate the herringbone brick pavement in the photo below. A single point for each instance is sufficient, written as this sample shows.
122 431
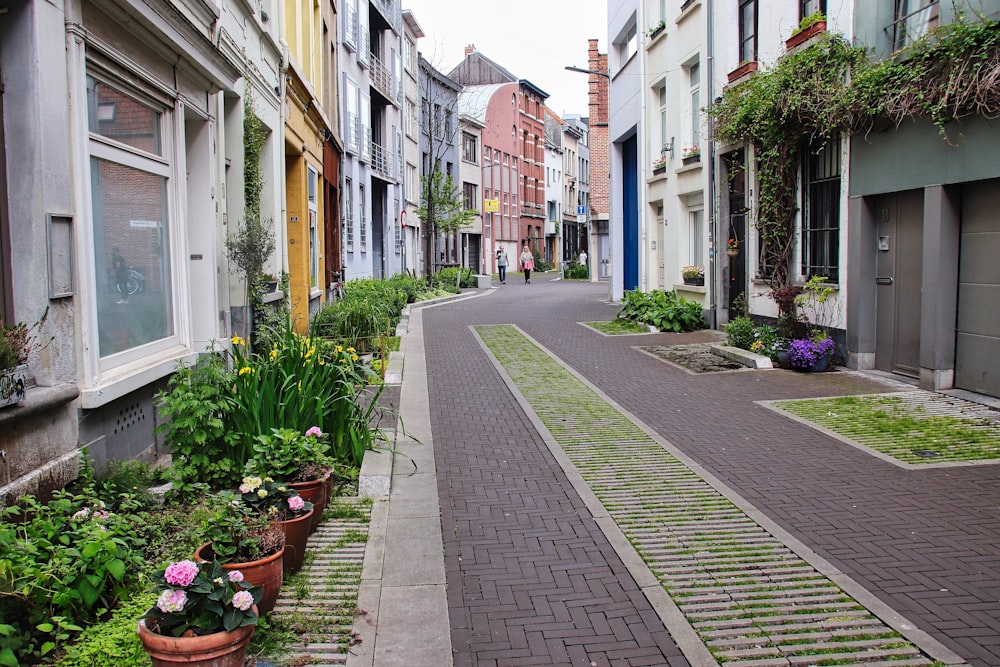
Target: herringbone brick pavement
927 542
531 578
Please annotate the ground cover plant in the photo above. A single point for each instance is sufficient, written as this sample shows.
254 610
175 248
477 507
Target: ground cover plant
911 430
618 327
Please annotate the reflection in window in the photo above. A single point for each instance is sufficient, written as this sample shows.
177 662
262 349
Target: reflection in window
914 18
116 115
131 255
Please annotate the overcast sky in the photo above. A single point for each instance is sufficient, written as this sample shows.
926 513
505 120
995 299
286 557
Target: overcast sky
536 49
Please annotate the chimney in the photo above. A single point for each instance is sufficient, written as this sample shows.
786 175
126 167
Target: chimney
470 49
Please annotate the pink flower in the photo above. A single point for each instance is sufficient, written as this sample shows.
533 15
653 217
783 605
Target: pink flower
243 600
315 432
172 601
295 503
181 573
235 576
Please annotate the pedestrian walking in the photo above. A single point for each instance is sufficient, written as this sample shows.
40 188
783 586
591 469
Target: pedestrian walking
527 264
583 258
502 265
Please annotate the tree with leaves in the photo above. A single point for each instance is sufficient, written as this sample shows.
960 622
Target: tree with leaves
442 205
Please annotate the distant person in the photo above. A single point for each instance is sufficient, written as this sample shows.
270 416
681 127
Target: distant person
502 265
120 268
583 258
527 264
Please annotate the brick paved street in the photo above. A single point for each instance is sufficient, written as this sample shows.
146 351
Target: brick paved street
532 579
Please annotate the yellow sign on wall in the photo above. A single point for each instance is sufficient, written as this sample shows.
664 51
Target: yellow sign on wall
491 205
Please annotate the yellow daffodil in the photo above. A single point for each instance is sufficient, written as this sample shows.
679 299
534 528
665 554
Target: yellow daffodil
274 354
236 340
246 369
354 357
338 349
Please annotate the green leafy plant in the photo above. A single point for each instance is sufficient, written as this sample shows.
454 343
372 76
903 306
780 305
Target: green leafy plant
18 341
61 562
575 271
291 455
664 310
196 407
113 643
237 532
740 332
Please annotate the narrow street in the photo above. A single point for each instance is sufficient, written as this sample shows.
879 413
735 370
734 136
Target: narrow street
533 579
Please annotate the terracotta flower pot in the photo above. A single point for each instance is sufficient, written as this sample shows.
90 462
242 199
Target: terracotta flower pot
266 572
220 649
313 491
296 534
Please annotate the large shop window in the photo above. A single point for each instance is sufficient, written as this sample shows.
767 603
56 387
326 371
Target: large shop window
130 180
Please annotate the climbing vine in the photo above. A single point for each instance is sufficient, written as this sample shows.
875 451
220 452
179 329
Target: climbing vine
830 87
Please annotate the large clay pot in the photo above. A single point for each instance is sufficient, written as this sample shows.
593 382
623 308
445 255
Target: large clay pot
296 534
313 491
266 572
220 649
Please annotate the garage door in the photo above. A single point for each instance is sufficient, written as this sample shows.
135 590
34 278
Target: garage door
977 345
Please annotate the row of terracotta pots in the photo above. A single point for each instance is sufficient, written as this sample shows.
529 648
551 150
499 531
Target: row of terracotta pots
228 649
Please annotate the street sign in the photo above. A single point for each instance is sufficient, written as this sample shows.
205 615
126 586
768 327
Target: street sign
581 209
491 205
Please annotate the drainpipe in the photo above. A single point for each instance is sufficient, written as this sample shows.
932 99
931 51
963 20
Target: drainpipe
643 250
713 202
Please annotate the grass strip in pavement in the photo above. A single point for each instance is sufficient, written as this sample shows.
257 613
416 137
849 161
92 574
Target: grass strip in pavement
915 427
752 600
618 327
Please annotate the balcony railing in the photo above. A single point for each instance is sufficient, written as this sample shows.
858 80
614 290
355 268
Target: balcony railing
383 162
382 79
391 12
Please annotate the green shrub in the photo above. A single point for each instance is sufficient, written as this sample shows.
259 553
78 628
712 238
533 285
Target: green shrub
664 310
540 263
740 333
61 563
575 271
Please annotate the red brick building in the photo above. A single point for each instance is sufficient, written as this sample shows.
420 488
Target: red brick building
529 131
600 166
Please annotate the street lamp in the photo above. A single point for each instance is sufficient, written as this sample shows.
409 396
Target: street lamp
587 71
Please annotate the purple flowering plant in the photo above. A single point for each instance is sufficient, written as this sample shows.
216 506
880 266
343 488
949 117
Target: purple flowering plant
200 599
806 352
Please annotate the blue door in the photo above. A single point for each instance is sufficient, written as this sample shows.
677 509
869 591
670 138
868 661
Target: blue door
630 218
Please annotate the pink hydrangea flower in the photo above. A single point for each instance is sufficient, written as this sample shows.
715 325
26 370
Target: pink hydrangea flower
243 600
295 503
235 576
171 601
315 432
181 573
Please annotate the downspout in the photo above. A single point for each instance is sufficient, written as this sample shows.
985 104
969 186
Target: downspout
283 69
713 205
643 152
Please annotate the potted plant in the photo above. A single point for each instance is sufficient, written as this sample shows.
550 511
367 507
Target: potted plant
732 247
241 538
811 354
691 154
17 342
204 616
809 27
299 458
660 164
270 282
655 29
283 505
745 68
693 275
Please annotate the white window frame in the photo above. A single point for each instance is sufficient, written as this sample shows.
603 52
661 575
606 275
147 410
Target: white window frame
165 166
696 236
362 218
312 192
348 215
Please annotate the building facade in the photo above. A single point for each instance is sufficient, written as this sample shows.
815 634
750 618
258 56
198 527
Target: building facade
127 142
371 125
553 187
412 255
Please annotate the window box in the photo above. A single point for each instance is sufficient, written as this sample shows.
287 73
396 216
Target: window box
803 36
743 70
691 159
12 384
659 170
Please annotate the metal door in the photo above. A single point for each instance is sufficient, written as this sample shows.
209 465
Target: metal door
977 341
898 275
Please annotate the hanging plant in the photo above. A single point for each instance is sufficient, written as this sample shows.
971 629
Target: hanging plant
830 87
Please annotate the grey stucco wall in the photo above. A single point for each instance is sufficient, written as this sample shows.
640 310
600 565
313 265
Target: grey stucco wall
917 155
